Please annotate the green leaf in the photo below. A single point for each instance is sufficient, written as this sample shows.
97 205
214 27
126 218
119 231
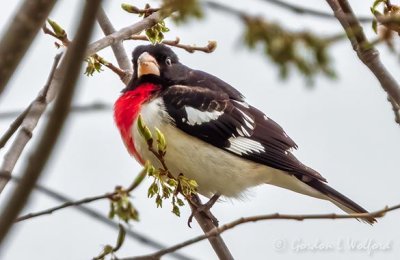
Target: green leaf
130 8
144 130
176 211
180 202
121 238
172 182
107 249
57 29
161 142
139 179
376 3
375 26
159 201
93 65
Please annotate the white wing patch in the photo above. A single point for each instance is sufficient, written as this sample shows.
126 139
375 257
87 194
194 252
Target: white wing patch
197 117
242 103
242 145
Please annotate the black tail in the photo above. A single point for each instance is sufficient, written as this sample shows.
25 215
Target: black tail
340 200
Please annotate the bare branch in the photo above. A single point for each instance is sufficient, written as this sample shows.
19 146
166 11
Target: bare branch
207 225
14 125
211 46
64 205
28 120
92 107
367 53
117 48
19 35
70 65
304 10
396 110
243 220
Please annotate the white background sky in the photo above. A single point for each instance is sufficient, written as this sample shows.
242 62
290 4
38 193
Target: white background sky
344 128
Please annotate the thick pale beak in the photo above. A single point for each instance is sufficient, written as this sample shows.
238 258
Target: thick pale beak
147 64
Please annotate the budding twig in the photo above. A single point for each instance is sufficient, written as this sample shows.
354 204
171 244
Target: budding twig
63 37
146 11
111 195
365 51
210 47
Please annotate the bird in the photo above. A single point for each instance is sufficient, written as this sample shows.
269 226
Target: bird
213 135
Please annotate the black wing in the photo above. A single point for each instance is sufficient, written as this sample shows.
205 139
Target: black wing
231 124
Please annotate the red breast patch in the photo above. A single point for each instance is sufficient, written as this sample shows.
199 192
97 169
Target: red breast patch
126 109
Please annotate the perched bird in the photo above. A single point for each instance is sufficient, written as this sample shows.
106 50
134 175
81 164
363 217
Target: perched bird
213 135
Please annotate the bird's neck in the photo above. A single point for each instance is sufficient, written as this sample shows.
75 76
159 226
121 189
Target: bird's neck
127 108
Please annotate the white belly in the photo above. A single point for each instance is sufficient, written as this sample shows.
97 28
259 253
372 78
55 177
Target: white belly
215 170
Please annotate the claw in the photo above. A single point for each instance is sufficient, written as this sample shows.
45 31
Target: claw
204 209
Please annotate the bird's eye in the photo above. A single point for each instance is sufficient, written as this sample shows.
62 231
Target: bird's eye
168 61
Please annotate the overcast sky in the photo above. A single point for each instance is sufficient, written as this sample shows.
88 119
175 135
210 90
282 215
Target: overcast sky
344 129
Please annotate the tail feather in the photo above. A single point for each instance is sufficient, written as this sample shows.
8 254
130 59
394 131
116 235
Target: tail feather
340 200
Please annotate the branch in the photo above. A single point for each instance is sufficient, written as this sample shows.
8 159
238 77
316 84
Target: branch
304 10
211 46
110 196
117 48
70 65
396 110
28 120
101 218
146 11
207 226
19 35
16 123
124 33
366 52
240 221
92 107
93 60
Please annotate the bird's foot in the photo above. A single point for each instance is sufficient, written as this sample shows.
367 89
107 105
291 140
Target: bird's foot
198 208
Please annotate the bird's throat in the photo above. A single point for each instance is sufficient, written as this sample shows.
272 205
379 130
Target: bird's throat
127 108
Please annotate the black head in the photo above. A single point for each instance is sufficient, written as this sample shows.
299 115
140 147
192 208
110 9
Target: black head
154 63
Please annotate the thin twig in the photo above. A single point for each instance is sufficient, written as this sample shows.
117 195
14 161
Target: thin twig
124 75
67 204
28 120
117 48
246 16
366 52
304 10
124 33
276 216
135 10
92 107
142 238
210 47
37 161
19 35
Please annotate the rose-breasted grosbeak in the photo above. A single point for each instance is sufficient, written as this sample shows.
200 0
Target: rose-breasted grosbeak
213 135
